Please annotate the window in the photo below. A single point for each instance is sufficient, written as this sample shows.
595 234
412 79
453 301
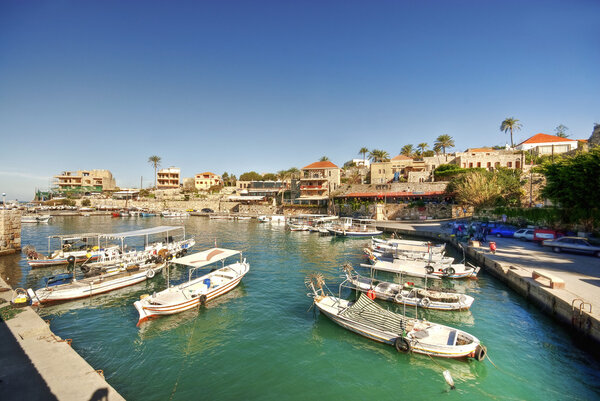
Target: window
518 164
497 164
478 164
489 164
470 165
509 164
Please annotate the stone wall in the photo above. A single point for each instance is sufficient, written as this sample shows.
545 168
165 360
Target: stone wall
159 205
397 187
10 231
258 209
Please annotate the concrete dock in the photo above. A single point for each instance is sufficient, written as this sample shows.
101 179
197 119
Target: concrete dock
576 306
36 364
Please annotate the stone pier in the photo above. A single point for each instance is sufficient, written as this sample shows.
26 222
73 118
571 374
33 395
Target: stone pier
10 231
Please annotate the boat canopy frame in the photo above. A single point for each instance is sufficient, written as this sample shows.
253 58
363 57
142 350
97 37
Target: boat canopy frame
202 259
145 232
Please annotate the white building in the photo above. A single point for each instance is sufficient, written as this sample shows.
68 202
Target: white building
543 144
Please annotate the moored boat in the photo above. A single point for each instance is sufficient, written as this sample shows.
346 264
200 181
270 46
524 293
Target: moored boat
195 291
407 293
367 318
354 228
404 245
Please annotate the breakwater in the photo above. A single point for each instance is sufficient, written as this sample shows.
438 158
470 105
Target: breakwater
10 231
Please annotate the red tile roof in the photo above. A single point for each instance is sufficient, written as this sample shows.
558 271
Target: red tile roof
326 164
543 138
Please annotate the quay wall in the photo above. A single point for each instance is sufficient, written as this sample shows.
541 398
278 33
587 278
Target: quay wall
584 325
177 205
10 231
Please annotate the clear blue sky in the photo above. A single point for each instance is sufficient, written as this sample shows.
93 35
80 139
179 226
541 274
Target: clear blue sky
267 85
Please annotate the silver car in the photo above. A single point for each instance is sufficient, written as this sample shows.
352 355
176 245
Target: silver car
524 234
572 244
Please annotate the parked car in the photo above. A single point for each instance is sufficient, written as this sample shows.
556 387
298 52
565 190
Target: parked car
572 244
503 231
524 234
207 210
542 234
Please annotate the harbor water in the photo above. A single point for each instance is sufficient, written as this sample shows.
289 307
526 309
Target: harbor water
263 341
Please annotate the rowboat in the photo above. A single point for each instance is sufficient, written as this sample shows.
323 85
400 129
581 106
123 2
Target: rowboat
367 318
407 293
429 269
174 215
197 291
93 284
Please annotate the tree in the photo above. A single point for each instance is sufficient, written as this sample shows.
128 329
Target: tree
407 150
561 131
377 155
225 178
251 176
324 159
444 141
509 125
154 162
269 177
423 147
363 151
572 183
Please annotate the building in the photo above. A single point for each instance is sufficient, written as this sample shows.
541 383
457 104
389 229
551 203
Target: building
317 181
361 162
489 158
400 168
543 144
168 178
84 181
205 181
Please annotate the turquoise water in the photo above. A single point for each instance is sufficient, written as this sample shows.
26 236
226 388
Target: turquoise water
261 341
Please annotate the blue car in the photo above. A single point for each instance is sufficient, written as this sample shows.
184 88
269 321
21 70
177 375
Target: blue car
503 231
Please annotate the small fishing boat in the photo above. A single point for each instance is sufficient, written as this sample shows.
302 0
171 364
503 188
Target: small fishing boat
427 258
34 218
404 245
93 284
148 214
263 219
407 293
195 291
367 318
354 228
419 268
174 215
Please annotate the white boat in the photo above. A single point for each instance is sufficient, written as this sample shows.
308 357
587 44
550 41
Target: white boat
367 318
174 215
94 284
407 256
34 218
404 245
198 290
172 243
349 227
263 219
83 247
407 293
277 218
426 269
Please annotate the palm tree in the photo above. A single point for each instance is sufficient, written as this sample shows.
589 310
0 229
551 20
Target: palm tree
363 151
443 142
437 148
423 146
378 155
407 150
155 162
324 159
510 124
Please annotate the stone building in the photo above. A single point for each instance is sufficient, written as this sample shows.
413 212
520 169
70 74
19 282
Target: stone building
317 181
207 180
10 231
82 181
489 158
168 178
398 169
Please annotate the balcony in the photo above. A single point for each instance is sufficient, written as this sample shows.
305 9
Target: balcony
312 187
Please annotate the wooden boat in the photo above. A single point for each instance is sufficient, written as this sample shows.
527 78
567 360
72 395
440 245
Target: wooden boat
195 291
354 228
367 318
427 269
84 247
35 218
409 256
407 293
404 245
94 284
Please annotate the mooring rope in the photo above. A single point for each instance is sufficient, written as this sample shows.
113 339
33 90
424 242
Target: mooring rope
186 354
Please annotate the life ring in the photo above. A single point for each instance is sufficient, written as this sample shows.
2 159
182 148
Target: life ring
371 295
402 344
71 260
450 271
429 269
85 268
202 299
399 298
184 251
480 352
425 302
150 273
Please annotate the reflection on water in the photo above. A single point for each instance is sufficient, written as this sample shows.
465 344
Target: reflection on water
260 341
